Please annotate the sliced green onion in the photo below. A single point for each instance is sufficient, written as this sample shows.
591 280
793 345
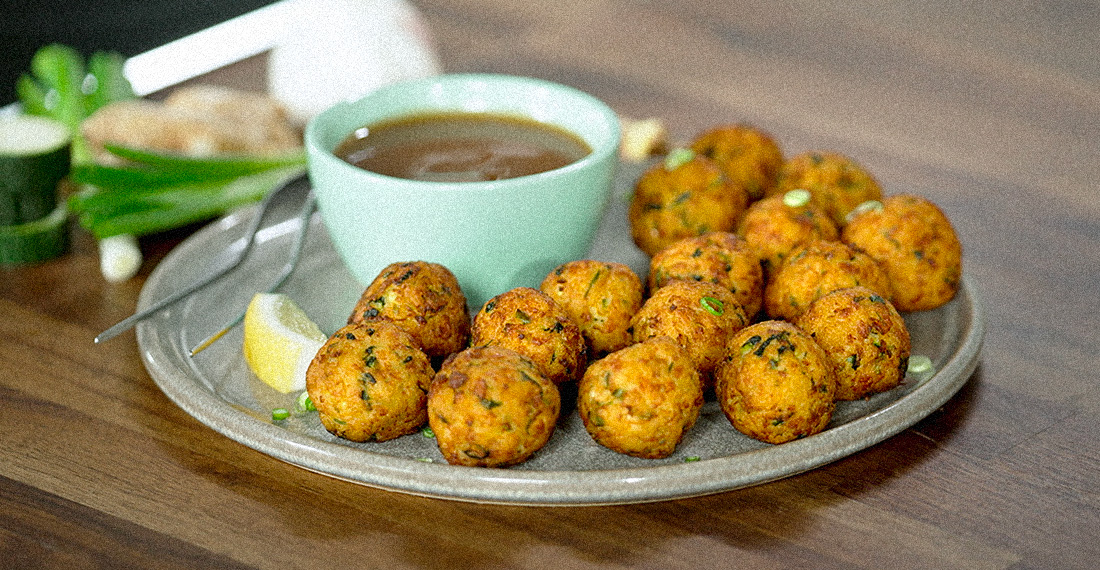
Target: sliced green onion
919 363
427 432
305 403
796 198
279 414
678 158
868 206
692 459
713 306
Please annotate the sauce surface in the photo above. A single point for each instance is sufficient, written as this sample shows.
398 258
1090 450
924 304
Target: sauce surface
461 147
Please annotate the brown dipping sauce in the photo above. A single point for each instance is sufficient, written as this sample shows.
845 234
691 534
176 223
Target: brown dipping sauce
461 147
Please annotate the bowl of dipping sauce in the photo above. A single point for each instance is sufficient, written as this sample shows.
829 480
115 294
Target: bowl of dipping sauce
498 178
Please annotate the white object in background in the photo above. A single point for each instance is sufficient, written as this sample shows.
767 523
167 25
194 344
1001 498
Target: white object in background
204 51
337 50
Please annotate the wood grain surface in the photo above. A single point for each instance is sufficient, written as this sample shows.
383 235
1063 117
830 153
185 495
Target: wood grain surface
991 110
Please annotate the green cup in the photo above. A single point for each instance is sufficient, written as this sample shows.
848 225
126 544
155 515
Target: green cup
493 235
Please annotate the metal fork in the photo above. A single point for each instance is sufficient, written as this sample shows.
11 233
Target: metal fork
229 265
295 254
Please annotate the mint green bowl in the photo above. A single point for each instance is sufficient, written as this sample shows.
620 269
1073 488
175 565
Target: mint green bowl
492 235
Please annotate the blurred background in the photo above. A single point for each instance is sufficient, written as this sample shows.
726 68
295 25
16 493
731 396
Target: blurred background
129 27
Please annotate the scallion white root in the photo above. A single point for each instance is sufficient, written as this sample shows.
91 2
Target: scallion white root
119 257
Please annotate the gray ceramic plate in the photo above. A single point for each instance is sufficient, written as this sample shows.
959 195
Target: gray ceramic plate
217 388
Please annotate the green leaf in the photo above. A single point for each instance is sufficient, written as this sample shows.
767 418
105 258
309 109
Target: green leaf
60 69
110 83
32 95
108 213
214 167
131 177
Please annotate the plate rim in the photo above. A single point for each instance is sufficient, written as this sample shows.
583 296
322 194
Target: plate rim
543 487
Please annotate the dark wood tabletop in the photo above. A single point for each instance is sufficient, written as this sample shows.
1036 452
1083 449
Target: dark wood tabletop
991 110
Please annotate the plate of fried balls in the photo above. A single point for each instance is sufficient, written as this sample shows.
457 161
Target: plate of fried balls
741 317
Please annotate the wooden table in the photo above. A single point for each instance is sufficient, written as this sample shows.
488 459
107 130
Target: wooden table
992 111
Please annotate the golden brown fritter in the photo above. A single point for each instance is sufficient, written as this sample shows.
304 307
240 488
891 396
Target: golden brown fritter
776 384
749 156
491 407
529 322
864 338
369 382
601 297
777 224
642 399
837 183
816 269
422 298
685 195
699 316
718 257
917 246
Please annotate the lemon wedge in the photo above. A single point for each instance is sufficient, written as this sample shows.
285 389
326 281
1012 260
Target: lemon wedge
280 341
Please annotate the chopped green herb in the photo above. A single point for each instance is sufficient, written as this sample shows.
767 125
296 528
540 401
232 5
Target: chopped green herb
427 432
305 403
692 459
713 306
796 198
868 206
678 158
919 363
853 361
750 344
279 414
369 359
592 282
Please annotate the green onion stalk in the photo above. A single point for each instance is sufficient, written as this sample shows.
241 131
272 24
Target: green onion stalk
153 191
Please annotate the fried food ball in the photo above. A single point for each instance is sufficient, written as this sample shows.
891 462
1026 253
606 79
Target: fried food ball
491 407
775 225
369 382
837 183
864 338
699 316
642 399
816 269
776 384
529 322
749 156
717 257
601 297
422 298
686 195
917 246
